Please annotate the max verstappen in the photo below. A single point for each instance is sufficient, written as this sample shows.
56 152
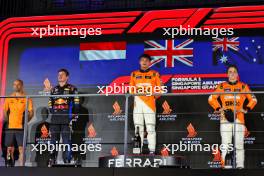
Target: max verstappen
63 109
227 127
144 106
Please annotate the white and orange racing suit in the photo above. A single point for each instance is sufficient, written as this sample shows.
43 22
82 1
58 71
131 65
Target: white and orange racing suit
228 129
145 106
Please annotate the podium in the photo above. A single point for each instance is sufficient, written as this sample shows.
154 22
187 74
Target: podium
156 161
66 165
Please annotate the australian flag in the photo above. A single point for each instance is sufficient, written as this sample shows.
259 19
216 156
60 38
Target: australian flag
238 49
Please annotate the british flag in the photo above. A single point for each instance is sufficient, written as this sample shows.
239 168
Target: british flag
169 52
225 43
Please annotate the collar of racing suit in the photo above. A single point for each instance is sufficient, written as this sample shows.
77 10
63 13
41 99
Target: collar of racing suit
144 71
232 83
65 85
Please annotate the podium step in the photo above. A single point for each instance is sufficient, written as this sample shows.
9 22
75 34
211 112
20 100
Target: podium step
66 165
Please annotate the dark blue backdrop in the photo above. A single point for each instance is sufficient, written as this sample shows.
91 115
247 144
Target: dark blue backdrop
40 62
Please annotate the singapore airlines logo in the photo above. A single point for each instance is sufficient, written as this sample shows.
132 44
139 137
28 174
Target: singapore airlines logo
44 131
217 161
191 131
249 139
246 133
114 151
217 155
191 137
117 109
166 108
92 137
91 131
117 115
166 115
164 152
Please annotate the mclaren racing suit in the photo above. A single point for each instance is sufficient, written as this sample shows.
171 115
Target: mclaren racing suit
227 129
61 109
144 106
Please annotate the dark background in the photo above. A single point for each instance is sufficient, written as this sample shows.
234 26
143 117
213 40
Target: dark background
11 8
112 133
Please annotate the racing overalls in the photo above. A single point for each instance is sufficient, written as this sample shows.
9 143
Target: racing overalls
62 109
144 106
227 129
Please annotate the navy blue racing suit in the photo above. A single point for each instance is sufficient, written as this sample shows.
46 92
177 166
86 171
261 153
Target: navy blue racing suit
62 109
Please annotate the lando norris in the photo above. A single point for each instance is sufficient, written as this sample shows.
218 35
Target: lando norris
144 106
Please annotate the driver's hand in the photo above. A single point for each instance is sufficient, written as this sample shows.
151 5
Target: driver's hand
47 85
220 111
243 111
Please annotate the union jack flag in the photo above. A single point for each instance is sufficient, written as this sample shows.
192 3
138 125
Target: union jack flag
169 52
226 43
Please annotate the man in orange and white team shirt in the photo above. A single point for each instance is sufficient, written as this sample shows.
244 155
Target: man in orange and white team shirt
14 112
226 108
144 106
